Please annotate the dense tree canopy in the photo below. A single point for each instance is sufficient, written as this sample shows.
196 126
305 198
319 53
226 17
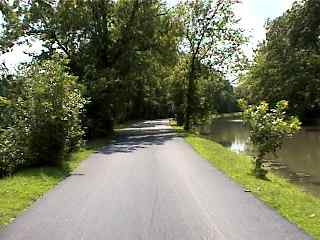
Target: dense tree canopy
287 63
114 47
211 40
131 59
124 52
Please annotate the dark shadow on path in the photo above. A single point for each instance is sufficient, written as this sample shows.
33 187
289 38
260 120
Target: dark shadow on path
140 136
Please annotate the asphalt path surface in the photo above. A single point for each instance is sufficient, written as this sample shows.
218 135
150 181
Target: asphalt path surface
149 185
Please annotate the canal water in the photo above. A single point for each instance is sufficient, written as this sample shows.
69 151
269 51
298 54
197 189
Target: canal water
298 160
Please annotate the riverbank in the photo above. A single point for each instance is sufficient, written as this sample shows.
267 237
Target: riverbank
20 190
291 202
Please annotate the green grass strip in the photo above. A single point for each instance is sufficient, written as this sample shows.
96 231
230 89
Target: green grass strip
20 190
290 201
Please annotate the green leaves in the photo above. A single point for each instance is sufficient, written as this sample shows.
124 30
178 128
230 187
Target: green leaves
44 122
211 33
286 65
211 43
268 128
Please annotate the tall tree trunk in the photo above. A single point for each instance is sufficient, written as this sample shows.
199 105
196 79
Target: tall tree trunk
190 96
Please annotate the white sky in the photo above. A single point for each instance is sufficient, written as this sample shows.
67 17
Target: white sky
252 12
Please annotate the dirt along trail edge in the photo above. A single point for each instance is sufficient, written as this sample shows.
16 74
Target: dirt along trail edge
149 185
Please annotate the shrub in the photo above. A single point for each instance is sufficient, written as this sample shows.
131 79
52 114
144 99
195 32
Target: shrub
268 128
11 152
45 106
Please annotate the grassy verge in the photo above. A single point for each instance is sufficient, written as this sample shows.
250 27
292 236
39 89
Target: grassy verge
27 185
290 201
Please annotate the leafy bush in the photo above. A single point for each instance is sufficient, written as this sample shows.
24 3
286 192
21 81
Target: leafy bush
12 147
45 103
11 152
268 128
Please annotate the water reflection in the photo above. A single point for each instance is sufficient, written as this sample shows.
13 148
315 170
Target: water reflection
298 160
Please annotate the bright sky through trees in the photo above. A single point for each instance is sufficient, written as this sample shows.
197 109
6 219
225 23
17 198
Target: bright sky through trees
252 12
